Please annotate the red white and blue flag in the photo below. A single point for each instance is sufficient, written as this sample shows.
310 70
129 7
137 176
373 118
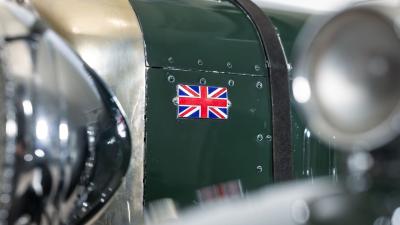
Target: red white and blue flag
202 102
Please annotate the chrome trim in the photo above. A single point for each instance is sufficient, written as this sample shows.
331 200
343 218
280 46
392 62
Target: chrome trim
107 35
67 143
275 205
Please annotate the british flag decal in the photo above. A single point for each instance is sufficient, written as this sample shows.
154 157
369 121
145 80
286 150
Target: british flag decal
202 102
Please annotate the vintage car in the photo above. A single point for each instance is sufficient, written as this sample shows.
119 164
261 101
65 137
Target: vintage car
209 89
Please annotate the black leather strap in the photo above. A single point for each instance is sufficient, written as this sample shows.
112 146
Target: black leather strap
279 79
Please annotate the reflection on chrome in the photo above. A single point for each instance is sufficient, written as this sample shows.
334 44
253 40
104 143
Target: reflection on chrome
28 109
39 153
57 165
301 90
63 130
42 130
11 128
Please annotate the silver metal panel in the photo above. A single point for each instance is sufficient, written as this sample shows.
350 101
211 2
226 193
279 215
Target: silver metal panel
57 166
107 36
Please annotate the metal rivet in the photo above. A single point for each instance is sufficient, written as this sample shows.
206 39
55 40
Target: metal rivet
171 60
259 85
203 81
257 67
200 62
289 67
175 101
268 137
259 169
171 79
260 137
229 65
231 83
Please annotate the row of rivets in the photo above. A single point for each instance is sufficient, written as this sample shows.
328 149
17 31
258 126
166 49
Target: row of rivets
229 65
203 81
231 83
260 137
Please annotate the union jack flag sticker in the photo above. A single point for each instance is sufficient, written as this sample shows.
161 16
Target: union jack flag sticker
202 102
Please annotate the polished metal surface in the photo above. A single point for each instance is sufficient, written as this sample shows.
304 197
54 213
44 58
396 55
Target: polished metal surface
65 144
347 82
107 35
287 204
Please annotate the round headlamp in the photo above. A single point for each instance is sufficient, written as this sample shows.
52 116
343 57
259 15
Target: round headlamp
347 79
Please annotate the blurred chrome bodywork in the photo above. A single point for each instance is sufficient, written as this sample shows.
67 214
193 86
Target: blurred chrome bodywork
65 143
107 36
287 204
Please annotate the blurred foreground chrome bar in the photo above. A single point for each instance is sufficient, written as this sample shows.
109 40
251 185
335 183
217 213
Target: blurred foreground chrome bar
64 142
288 204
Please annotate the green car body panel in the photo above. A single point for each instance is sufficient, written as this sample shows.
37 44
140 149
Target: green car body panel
183 155
180 33
214 43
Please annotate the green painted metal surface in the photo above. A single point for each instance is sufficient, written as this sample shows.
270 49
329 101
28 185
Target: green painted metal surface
311 157
184 155
214 40
200 35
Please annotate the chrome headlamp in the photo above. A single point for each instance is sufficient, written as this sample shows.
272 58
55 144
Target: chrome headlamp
347 79
64 142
